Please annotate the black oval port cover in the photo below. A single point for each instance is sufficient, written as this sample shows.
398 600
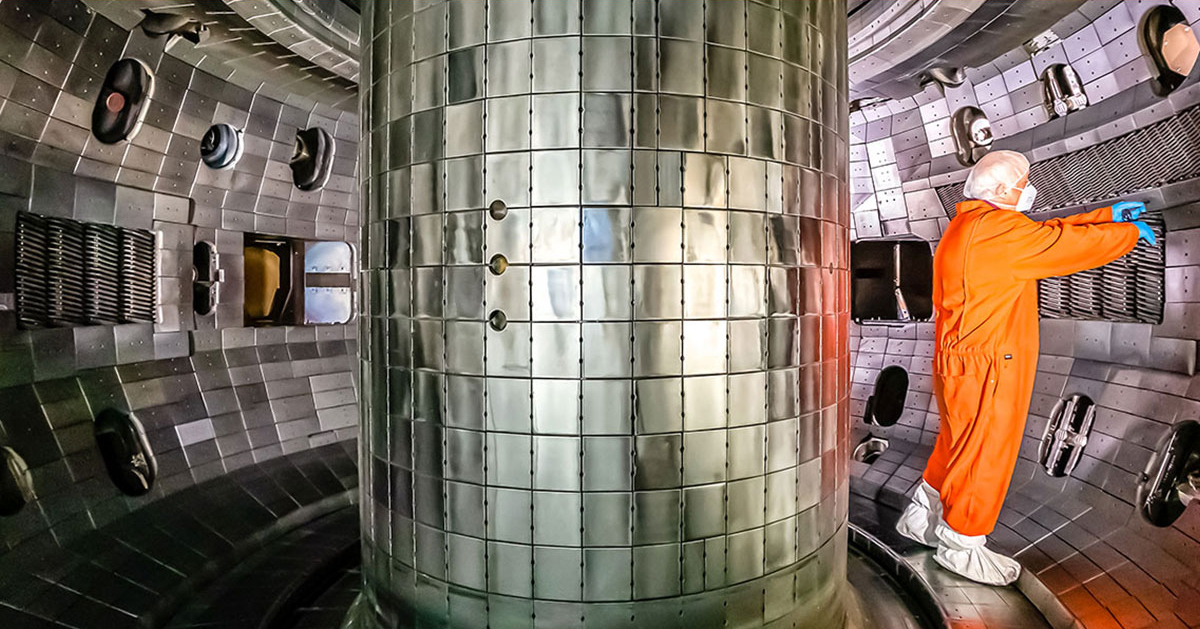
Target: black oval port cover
886 404
126 452
1177 456
312 159
16 486
122 102
1155 32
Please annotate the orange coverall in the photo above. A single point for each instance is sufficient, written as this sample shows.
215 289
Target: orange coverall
985 292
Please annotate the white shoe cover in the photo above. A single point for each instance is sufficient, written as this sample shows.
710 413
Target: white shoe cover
965 555
919 520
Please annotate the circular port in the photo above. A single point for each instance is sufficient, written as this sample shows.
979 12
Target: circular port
498 320
498 264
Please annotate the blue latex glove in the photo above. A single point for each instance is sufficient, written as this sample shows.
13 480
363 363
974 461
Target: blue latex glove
1127 211
1144 231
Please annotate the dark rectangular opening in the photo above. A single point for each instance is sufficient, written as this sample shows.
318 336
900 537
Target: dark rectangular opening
891 280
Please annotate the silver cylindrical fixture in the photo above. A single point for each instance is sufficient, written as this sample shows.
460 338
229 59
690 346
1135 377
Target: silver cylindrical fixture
605 364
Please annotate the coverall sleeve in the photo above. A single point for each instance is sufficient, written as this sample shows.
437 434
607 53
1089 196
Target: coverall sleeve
1097 216
1038 250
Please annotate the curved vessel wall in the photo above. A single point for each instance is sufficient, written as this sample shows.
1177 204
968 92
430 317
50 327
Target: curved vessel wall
605 317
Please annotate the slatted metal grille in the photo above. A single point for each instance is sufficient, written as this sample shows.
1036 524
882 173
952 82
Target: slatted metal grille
1165 152
70 273
1130 289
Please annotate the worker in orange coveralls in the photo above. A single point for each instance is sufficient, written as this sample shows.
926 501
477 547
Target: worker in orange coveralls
987 349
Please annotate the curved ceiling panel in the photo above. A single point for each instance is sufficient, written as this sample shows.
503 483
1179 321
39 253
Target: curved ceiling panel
943 36
240 52
324 32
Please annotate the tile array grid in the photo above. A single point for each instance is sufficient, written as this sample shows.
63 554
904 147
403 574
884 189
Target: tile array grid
589 403
213 396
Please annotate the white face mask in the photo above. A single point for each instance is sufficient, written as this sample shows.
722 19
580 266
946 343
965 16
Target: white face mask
1025 201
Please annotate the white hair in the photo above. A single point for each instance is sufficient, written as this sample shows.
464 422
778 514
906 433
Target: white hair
995 174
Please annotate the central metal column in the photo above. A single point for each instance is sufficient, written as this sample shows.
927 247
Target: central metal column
605 363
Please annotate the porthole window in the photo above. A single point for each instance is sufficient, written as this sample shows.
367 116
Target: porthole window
1171 45
891 281
16 486
1066 435
122 102
328 283
972 134
221 146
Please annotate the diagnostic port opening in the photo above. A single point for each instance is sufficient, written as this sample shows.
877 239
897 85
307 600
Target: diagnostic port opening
886 404
870 449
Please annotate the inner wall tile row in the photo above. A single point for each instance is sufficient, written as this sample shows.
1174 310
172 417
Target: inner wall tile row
605 373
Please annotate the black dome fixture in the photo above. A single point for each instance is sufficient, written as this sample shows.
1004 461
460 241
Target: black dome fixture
172 25
16 486
126 452
1172 478
1169 41
123 101
886 404
867 102
943 76
312 159
221 146
1062 91
972 134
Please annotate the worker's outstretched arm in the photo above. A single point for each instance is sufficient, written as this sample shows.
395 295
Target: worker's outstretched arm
1095 217
1037 250
1119 212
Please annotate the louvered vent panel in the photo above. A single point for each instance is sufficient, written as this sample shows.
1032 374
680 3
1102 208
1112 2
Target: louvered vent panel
71 273
137 280
1129 289
1165 152
33 308
64 271
102 276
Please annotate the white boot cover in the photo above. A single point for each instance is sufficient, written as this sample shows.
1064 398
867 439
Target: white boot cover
965 555
920 518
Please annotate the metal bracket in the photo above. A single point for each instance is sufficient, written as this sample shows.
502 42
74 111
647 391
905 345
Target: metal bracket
1066 435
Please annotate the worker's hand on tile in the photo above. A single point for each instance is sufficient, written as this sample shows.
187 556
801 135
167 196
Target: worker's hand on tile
1144 231
1126 211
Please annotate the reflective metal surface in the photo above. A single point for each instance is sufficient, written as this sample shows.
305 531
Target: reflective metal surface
656 432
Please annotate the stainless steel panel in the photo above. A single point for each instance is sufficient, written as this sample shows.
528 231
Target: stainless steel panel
658 340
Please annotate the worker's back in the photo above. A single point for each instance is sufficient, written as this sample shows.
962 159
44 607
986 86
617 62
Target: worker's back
981 305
